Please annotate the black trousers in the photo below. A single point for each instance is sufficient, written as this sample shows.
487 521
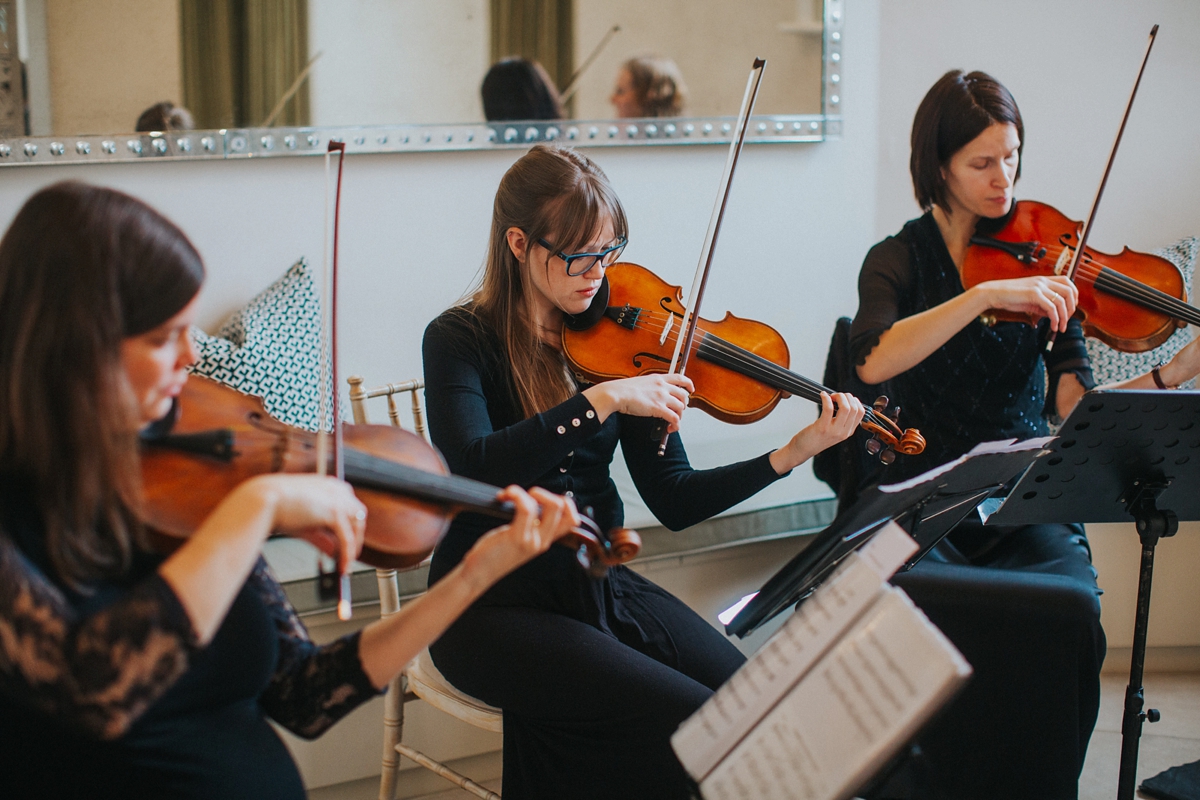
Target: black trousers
588 710
1022 606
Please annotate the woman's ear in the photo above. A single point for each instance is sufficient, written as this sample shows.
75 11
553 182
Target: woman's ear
518 242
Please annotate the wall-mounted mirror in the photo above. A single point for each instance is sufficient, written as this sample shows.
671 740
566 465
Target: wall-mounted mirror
93 67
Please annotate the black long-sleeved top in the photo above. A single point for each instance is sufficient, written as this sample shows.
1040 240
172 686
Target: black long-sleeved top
987 382
107 693
477 423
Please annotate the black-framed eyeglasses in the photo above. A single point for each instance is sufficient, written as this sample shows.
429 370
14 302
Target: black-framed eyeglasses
580 263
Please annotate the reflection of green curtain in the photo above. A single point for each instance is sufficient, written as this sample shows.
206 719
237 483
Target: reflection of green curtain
540 30
240 56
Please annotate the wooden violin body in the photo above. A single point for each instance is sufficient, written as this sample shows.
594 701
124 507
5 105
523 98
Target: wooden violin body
1131 301
219 437
739 366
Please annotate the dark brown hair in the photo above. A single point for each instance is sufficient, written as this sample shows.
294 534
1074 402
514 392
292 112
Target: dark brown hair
517 88
165 116
81 269
657 85
557 194
957 109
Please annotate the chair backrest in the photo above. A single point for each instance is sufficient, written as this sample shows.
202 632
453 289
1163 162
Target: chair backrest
847 467
359 397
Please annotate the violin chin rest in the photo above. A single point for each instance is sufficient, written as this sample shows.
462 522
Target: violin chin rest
584 321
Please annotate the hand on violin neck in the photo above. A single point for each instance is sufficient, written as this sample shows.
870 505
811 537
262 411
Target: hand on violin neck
661 396
840 416
540 518
1183 367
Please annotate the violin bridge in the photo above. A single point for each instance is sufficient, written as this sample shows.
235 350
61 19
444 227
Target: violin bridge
1064 261
662 340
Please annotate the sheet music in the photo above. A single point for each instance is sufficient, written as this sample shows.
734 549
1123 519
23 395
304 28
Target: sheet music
866 697
733 711
983 448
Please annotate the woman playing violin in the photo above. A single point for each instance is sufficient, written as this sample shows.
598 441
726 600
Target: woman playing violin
122 672
593 676
1021 729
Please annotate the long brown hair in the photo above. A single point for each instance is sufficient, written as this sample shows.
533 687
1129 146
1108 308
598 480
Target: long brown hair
954 111
81 268
553 193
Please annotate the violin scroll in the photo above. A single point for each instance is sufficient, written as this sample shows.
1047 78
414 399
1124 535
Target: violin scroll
596 551
887 437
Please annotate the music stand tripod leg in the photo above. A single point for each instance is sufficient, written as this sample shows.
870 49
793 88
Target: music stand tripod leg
1152 524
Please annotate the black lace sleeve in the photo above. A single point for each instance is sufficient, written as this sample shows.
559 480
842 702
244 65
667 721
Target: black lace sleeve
314 685
94 672
882 284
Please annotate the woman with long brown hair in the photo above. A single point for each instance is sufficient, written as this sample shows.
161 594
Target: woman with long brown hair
124 673
593 676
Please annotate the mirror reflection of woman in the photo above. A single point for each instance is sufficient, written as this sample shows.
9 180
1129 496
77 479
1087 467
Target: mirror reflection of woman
124 673
649 86
1031 624
592 676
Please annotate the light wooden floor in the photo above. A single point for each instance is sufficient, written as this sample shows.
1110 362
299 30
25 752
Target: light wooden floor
1172 741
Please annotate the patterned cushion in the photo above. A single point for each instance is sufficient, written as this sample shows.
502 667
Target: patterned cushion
272 349
1110 365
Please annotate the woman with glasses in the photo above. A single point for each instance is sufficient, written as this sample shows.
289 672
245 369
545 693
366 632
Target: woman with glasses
593 676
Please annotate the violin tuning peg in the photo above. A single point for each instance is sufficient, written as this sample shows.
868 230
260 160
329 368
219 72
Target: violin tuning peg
874 446
881 403
894 414
887 457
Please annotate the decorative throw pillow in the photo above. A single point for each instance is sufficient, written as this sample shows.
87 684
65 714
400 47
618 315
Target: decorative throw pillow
1110 365
271 348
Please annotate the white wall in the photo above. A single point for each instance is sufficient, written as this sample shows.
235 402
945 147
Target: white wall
1071 65
390 61
713 42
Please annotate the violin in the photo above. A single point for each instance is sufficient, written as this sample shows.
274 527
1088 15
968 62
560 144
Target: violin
740 366
1131 301
216 438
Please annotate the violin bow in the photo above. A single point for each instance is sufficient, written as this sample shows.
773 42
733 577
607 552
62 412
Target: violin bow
330 403
1091 217
573 83
691 312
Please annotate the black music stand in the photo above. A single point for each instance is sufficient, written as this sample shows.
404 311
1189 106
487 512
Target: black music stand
1121 455
927 507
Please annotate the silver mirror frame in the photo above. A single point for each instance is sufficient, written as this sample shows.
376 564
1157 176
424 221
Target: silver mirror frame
237 143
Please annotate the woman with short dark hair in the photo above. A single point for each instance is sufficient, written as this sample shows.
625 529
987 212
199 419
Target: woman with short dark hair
1030 621
124 673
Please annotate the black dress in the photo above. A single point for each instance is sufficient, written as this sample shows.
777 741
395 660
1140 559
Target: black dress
593 676
1021 603
106 693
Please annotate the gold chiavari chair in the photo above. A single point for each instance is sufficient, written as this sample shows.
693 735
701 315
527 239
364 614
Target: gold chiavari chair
420 679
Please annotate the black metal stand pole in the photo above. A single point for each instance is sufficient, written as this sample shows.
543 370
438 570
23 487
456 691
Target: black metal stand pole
1152 524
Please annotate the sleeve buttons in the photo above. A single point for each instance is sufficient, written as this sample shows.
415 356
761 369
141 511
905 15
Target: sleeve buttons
575 422
590 414
561 429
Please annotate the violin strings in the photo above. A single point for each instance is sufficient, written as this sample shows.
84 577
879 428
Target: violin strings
1121 286
752 365
1126 288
